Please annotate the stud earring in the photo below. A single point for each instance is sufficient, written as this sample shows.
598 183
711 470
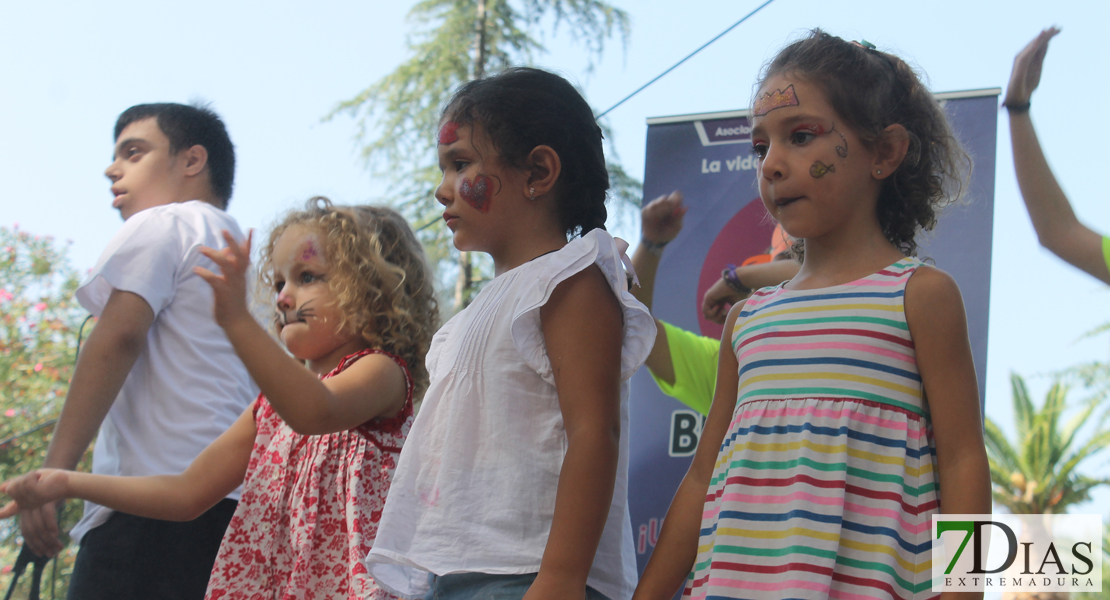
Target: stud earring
879 172
531 193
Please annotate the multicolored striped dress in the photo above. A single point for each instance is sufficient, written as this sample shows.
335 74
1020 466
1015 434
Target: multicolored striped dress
826 480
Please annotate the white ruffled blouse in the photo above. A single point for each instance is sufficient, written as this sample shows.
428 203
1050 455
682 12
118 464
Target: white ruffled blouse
475 484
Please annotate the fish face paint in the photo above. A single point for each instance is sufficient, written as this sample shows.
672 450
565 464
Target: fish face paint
819 169
448 134
477 194
775 99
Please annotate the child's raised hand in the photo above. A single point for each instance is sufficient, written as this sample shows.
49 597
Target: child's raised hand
33 490
717 301
1027 69
230 287
661 219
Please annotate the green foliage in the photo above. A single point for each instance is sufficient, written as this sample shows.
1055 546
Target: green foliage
39 322
1038 474
398 115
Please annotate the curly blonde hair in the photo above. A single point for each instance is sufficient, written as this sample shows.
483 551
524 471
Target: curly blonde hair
378 273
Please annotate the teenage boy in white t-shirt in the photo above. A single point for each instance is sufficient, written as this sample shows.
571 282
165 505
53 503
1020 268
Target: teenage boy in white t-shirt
157 376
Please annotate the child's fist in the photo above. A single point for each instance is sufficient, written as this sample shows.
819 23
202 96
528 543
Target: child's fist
33 490
661 219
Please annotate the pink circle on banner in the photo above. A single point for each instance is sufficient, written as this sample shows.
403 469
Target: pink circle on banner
746 234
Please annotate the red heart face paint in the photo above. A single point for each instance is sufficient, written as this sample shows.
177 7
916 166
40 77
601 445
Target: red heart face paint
448 134
477 194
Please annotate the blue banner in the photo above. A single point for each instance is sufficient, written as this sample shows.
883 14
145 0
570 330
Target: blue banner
709 158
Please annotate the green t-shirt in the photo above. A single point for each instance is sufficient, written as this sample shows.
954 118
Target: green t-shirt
695 368
1106 250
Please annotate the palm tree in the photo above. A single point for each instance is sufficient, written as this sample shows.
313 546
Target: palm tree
1039 474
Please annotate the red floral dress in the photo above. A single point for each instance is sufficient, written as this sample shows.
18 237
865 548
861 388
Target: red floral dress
310 508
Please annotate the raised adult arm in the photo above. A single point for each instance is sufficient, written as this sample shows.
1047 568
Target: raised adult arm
1058 229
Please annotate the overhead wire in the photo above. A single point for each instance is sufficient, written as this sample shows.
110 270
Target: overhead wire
688 57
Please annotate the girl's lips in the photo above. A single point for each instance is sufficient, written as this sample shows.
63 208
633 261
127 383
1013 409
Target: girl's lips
785 201
450 219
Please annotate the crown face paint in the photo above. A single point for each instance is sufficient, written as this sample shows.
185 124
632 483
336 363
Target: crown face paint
448 134
477 194
775 99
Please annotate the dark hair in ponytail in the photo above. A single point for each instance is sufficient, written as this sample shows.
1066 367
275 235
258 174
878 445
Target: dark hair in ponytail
871 90
521 108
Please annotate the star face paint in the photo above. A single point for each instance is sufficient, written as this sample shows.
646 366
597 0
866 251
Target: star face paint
309 252
775 99
448 134
477 194
819 169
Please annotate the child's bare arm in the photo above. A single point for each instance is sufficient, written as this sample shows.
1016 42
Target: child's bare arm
674 555
372 387
583 334
935 315
108 355
1058 229
214 474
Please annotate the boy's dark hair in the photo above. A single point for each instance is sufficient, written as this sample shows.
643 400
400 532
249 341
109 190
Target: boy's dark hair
187 126
521 108
871 90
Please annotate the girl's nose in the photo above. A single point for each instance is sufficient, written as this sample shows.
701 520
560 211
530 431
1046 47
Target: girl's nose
442 191
285 300
774 164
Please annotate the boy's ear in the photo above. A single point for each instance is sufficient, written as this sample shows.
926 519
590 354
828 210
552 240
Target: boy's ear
196 158
890 151
544 167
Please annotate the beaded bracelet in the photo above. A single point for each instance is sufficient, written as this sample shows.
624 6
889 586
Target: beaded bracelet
655 248
733 281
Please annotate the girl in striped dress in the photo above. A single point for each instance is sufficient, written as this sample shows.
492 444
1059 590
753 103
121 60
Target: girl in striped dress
846 405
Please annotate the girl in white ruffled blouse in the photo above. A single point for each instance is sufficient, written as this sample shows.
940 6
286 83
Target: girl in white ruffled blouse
513 482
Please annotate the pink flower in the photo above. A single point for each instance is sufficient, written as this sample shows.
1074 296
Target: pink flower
5 295
10 412
41 306
38 367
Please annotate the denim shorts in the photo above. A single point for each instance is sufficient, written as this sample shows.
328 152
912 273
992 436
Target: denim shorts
484 586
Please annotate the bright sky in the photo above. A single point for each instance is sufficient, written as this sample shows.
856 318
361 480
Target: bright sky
274 69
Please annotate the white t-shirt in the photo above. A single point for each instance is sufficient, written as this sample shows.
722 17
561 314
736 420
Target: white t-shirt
187 386
475 484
